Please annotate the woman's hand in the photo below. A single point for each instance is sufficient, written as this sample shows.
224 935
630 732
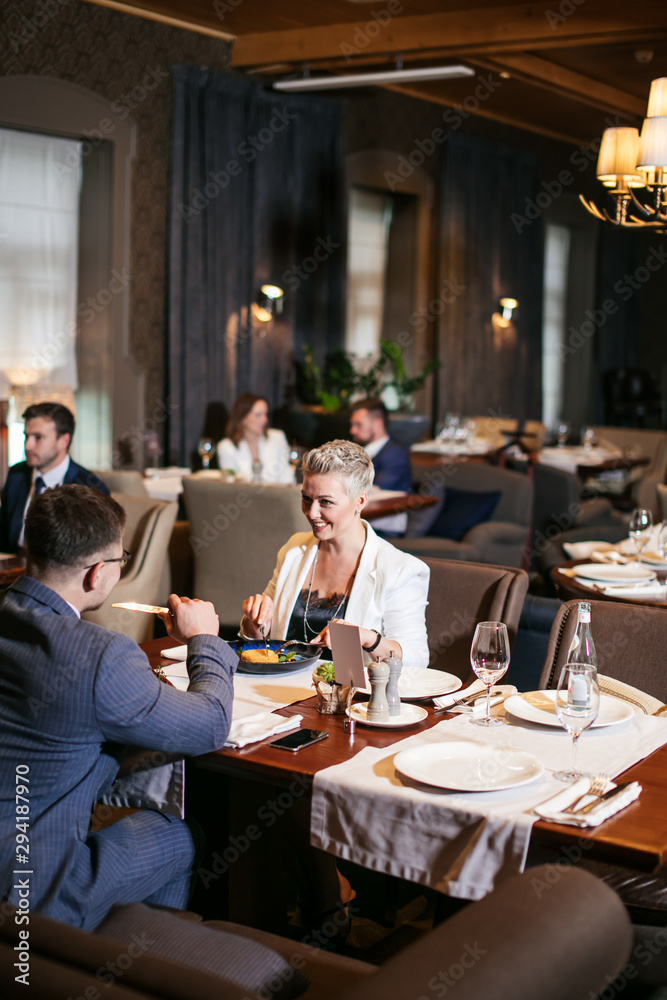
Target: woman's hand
324 638
257 616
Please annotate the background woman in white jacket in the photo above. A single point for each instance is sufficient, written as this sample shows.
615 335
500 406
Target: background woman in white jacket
341 570
252 449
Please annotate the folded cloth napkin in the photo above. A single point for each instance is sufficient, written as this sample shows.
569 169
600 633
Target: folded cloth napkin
553 808
641 590
478 707
175 653
254 728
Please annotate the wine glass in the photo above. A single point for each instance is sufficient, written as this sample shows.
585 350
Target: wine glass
588 437
639 529
205 451
562 433
577 706
490 658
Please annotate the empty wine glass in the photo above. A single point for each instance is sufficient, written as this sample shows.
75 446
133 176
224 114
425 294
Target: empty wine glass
205 451
562 433
588 438
662 541
490 658
639 529
577 707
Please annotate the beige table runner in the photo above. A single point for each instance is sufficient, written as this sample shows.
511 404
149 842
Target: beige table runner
459 843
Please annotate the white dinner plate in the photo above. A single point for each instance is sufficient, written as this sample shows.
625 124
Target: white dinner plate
416 683
540 707
468 766
608 573
654 559
410 714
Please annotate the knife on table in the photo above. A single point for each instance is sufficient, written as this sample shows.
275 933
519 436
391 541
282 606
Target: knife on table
612 793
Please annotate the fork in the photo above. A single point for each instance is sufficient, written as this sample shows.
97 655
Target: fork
468 699
263 634
597 788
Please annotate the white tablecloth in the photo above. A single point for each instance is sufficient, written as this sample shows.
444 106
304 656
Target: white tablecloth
569 457
458 843
252 693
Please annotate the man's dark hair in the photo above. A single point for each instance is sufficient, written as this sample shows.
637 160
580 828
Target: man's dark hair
59 414
67 525
375 407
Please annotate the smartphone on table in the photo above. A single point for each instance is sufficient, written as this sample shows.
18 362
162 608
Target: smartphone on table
299 739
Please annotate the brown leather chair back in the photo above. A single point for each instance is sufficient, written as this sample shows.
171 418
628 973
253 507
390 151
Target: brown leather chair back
462 594
629 641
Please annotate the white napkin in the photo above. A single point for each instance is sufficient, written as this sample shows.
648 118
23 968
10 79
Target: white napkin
175 653
478 707
654 589
254 728
553 808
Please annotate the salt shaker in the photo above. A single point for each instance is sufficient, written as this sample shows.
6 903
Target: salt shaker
378 709
393 698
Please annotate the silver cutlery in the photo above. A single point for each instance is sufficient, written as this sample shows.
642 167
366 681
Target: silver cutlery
467 700
597 788
611 794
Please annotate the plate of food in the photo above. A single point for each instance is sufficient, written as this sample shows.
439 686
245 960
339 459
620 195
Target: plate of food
255 658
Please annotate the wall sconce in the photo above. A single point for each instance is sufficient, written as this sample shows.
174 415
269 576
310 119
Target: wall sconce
269 301
508 306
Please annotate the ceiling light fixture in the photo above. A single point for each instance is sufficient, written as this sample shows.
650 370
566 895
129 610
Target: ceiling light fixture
419 74
628 162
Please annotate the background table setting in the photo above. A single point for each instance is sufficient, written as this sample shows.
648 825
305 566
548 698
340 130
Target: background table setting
633 569
453 808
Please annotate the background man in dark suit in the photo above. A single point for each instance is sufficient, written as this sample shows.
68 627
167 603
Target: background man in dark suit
368 427
49 428
72 694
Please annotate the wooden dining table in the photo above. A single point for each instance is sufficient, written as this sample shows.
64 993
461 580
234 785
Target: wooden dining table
636 837
569 589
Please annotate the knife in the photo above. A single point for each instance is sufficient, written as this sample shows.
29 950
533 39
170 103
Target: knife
612 793
150 609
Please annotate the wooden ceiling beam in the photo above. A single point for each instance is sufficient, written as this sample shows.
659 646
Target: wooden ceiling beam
413 90
522 25
152 14
559 80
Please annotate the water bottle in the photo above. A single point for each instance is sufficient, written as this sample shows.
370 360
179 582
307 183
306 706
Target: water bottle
582 647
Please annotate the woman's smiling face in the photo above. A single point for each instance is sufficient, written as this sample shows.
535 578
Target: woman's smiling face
327 506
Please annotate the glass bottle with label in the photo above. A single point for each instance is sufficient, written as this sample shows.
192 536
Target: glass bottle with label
582 647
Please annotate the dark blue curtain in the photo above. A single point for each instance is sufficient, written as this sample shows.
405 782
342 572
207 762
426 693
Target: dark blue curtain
256 196
486 254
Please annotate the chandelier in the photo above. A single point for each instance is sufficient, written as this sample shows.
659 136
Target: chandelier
628 162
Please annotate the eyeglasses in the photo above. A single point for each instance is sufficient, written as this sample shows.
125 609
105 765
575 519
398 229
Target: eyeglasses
123 560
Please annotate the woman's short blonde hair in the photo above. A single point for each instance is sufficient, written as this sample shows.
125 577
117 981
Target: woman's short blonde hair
345 460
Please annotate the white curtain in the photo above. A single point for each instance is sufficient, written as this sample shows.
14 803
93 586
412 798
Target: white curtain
39 227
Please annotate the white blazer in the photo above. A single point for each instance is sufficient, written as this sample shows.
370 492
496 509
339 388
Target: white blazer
389 592
273 454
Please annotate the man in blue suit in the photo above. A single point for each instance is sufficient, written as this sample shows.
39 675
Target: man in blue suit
368 427
72 694
49 428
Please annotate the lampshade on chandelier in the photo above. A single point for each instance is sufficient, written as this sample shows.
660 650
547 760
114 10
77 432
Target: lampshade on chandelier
628 162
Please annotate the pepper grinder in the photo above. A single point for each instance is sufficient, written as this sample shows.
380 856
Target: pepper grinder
393 698
378 708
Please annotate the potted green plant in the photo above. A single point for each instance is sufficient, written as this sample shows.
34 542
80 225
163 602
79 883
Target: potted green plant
326 396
